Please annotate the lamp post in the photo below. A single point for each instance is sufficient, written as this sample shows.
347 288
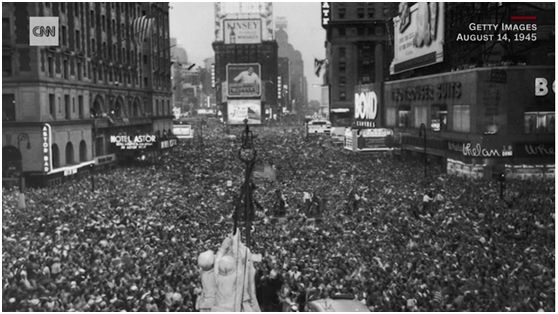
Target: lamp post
422 132
247 154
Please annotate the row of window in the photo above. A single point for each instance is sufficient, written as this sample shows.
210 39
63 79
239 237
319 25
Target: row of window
69 108
69 153
534 122
117 110
357 31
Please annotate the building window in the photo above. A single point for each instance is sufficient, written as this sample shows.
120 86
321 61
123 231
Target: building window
403 117
103 23
69 154
342 66
361 30
93 45
461 118
50 67
73 105
67 106
420 116
66 69
341 13
79 77
6 65
341 31
99 146
539 122
52 105
342 81
55 156
342 52
371 13
82 151
342 95
145 81
80 106
6 35
64 36
439 118
360 13
8 107
78 41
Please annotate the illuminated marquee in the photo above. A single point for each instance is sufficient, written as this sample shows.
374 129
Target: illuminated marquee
46 136
126 142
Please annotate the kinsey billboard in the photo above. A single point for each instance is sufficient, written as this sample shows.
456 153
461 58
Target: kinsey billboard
243 80
127 142
243 31
367 107
240 110
418 36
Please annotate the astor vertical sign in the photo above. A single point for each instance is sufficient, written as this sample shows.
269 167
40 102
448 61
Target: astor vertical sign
46 137
367 111
43 31
326 13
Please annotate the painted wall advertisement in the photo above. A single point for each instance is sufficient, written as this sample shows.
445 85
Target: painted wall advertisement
367 107
418 36
126 142
243 80
246 109
243 31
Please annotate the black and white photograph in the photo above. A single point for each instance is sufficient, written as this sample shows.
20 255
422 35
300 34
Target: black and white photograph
278 156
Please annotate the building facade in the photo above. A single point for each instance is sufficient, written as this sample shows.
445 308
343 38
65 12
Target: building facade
357 50
61 104
245 42
297 84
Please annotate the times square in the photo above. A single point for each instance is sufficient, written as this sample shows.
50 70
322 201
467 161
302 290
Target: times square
404 166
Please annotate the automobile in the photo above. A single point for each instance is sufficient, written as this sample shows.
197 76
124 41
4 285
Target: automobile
338 135
319 127
337 303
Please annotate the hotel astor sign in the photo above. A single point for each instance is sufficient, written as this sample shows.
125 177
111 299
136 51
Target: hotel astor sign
126 142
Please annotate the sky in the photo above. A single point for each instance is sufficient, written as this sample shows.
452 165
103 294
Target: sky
192 24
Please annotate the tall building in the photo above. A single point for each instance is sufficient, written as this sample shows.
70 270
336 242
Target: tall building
245 61
284 83
63 104
356 49
298 85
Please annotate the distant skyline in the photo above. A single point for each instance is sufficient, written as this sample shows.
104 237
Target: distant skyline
192 24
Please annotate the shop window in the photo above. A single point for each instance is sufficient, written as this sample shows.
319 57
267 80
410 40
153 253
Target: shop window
403 118
539 122
8 107
439 118
420 114
461 118
55 156
391 114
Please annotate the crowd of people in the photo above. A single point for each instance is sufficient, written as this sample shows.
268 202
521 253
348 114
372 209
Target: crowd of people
132 244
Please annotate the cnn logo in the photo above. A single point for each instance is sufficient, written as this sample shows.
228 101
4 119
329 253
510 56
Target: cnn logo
43 31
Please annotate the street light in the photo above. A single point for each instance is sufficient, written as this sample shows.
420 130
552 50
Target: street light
422 132
247 154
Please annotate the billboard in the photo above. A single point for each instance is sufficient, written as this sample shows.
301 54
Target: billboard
243 31
243 80
239 110
367 107
418 36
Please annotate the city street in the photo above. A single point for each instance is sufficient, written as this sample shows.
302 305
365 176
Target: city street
133 243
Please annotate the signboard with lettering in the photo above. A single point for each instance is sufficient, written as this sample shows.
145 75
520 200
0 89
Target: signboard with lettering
418 36
243 31
367 107
239 110
534 149
168 143
243 80
326 13
46 136
127 142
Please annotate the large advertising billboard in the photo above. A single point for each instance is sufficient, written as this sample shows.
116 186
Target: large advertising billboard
245 109
243 31
243 80
367 107
418 36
